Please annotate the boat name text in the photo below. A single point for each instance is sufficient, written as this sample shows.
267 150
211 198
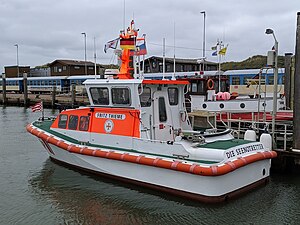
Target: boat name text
110 116
243 150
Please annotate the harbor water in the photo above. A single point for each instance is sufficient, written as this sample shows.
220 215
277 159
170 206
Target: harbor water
35 190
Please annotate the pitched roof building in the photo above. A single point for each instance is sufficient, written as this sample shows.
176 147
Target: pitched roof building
64 67
154 64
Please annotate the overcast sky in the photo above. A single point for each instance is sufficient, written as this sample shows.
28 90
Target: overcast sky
47 30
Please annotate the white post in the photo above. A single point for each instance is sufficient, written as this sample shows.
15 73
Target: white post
219 62
270 31
95 57
174 63
18 72
85 67
203 50
164 56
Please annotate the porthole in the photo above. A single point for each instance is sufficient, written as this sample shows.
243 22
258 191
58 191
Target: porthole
242 105
264 172
204 106
264 104
221 105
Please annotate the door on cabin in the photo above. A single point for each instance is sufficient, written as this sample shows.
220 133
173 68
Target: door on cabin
162 126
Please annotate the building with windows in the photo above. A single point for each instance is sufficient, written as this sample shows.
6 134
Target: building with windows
16 71
63 67
154 64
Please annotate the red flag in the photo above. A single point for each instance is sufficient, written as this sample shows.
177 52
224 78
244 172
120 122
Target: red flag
128 43
38 107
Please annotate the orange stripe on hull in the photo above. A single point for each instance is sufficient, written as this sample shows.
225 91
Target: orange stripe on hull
157 162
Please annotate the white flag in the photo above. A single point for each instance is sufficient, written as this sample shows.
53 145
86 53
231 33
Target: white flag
111 44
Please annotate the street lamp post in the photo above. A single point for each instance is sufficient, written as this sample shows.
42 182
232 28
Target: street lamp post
17 58
270 31
85 67
203 50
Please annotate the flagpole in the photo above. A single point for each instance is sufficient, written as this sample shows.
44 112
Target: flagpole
95 57
144 55
219 61
134 60
164 58
42 110
174 63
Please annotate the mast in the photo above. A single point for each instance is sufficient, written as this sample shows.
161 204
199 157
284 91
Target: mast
95 57
164 58
127 43
219 63
174 63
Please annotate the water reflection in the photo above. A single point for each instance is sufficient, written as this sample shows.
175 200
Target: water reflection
89 199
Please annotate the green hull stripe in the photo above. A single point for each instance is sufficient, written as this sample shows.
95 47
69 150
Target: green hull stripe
45 125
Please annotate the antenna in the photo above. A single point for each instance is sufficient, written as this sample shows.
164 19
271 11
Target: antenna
164 57
174 66
95 57
124 9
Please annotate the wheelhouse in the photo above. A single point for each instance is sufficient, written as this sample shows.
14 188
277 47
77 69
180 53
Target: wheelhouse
159 105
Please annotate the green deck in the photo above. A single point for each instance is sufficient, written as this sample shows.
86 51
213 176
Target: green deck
223 145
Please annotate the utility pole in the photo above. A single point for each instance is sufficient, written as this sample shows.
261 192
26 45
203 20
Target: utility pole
203 50
270 31
85 67
296 125
18 72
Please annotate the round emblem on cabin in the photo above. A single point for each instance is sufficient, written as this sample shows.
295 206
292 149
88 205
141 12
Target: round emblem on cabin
108 126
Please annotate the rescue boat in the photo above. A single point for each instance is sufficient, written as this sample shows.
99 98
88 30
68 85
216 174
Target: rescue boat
138 131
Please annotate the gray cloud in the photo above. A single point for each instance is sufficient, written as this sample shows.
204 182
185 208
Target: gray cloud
47 30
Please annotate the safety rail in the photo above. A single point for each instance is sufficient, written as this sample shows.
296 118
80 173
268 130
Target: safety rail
283 132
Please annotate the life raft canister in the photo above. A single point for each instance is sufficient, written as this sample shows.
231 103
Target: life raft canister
210 84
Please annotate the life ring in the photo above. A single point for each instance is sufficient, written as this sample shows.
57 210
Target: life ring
210 84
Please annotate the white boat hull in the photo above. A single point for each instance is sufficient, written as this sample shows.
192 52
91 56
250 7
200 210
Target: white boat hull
206 188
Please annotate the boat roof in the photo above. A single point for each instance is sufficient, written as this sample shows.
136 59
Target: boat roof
182 74
133 81
75 77
251 71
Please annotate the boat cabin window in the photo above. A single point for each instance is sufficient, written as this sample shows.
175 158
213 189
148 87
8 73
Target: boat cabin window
100 95
194 87
62 121
173 96
145 97
84 123
120 96
73 122
162 109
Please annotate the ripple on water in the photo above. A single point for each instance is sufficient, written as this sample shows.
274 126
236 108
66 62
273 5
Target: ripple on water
34 190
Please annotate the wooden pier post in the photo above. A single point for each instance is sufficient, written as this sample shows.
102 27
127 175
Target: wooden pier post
73 95
4 101
25 89
288 79
53 97
296 124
